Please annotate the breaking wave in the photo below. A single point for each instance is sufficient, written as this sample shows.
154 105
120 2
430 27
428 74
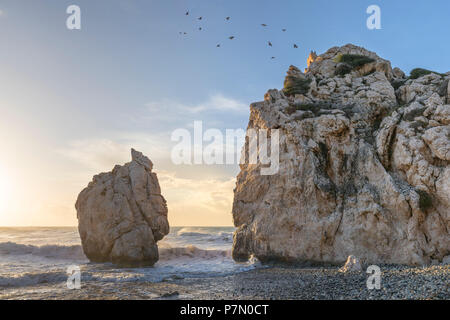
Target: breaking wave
43 257
30 279
75 252
204 235
188 260
191 252
47 251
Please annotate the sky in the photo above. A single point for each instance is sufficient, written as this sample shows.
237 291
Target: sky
74 102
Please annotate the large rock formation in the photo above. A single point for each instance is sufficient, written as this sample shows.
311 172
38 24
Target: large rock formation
122 214
364 166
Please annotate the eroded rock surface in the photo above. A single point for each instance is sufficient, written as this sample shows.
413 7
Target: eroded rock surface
364 168
122 214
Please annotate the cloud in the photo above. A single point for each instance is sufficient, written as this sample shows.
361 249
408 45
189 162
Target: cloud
96 154
217 111
193 199
216 102
222 103
198 201
196 195
100 154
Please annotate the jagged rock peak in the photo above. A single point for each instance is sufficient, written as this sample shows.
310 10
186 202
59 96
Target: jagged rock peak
141 159
311 58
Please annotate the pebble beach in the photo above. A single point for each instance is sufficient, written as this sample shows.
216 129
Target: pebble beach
267 283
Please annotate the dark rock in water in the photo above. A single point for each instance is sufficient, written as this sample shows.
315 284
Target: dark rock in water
170 294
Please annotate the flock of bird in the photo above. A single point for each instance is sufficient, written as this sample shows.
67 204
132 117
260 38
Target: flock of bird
269 43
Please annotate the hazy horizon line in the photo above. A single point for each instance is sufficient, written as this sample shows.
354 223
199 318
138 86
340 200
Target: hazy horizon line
64 226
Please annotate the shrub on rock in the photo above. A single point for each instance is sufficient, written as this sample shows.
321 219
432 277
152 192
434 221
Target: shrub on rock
296 85
419 72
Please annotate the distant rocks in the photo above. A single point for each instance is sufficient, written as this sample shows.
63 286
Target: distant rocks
364 166
351 265
122 214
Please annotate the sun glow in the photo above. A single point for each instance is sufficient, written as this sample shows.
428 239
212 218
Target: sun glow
5 190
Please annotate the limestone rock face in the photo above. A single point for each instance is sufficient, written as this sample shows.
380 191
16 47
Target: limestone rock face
122 214
364 169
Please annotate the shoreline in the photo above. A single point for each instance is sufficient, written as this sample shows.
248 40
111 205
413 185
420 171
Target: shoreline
269 283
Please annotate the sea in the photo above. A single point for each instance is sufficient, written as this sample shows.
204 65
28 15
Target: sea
31 256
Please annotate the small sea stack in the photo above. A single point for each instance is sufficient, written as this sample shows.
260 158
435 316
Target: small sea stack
122 215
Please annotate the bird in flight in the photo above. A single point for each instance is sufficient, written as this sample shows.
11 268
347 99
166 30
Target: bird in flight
272 58
270 44
200 28
231 38
284 30
199 18
187 13
295 46
264 25
218 46
227 18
